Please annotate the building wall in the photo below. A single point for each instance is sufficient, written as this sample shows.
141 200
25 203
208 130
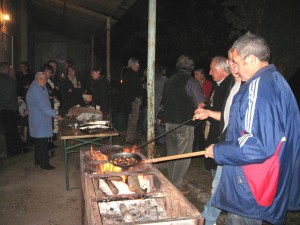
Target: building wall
48 45
7 30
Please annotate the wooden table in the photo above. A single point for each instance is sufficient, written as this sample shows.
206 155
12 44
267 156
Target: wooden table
74 138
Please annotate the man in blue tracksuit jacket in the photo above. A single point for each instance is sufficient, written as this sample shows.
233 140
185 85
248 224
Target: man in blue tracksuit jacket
261 156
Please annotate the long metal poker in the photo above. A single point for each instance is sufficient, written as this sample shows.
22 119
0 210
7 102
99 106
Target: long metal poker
180 125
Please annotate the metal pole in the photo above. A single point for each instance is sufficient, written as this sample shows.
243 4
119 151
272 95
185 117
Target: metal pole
92 52
150 75
12 50
108 48
23 31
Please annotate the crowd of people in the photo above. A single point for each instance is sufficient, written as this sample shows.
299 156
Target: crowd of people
249 121
245 116
35 103
258 155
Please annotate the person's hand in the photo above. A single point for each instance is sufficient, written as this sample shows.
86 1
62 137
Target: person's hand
26 111
158 121
200 114
209 153
58 117
201 105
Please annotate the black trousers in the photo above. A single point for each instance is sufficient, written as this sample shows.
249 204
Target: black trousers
13 139
41 155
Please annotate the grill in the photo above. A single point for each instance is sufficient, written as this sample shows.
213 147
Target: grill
138 195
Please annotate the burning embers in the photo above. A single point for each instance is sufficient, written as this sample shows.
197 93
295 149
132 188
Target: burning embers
128 199
131 211
136 195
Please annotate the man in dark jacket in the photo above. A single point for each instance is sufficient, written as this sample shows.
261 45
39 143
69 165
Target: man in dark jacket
131 91
182 95
9 111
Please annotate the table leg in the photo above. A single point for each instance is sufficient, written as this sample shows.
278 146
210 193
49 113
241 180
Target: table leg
66 164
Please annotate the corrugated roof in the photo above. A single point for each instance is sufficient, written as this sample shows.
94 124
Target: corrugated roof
79 19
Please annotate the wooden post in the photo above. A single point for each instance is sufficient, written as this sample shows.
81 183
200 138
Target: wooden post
108 48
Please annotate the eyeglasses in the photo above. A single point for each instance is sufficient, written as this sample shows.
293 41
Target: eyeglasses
235 63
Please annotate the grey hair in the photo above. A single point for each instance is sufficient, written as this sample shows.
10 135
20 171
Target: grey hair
185 64
39 74
132 61
220 63
251 44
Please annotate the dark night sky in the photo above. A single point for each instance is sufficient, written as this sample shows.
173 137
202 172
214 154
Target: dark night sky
197 28
204 29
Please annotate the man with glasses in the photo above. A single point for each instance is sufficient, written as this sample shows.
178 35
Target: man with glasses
261 159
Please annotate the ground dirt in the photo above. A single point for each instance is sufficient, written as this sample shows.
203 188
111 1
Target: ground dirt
31 196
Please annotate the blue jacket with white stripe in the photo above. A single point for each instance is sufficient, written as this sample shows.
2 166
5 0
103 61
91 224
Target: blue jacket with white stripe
257 181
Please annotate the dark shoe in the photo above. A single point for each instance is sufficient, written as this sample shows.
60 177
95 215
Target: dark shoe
14 152
29 143
51 145
183 190
48 167
24 150
51 154
185 183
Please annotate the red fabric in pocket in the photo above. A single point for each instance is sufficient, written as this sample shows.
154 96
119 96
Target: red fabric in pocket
263 178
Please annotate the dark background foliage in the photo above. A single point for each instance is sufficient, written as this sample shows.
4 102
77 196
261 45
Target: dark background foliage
204 29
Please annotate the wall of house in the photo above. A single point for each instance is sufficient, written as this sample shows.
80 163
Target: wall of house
7 31
47 45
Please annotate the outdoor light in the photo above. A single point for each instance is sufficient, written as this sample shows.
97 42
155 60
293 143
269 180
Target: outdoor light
4 18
